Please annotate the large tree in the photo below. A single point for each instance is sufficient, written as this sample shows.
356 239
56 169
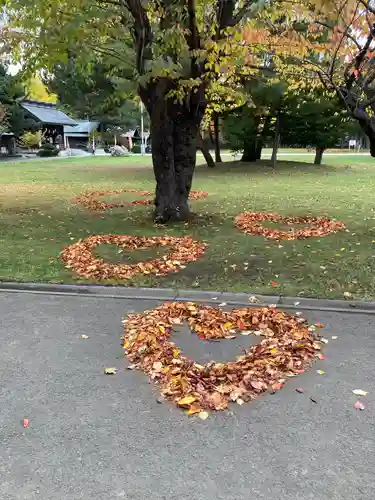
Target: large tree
13 118
345 63
174 49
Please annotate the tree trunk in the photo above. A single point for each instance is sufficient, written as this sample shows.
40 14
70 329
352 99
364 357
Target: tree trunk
205 151
174 157
250 151
276 141
174 128
318 156
217 138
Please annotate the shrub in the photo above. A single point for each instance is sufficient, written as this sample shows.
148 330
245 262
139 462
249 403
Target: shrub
31 139
48 150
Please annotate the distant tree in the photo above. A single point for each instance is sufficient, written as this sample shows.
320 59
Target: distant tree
3 118
37 91
316 120
94 91
248 127
15 118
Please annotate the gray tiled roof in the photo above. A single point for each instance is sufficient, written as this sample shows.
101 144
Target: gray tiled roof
47 113
83 128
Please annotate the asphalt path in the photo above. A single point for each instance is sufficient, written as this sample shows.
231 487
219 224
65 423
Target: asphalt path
97 437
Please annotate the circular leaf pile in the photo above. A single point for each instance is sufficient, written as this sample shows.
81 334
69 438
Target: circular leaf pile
90 199
287 348
251 223
80 258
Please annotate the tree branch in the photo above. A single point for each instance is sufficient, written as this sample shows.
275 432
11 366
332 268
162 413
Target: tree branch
141 29
242 12
368 7
359 58
192 38
344 34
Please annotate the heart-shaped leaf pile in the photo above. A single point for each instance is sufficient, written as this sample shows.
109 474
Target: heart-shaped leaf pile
288 346
80 258
90 200
251 223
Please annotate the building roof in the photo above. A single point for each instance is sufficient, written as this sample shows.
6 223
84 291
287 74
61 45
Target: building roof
136 133
47 113
83 128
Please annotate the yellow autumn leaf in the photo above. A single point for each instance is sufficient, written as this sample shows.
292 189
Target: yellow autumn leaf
84 337
186 401
110 371
203 415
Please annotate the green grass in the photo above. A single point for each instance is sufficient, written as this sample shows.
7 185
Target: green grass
38 219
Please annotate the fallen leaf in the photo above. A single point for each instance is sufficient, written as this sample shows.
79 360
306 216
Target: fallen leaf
334 337
320 356
296 303
157 366
257 385
301 391
277 387
222 304
360 392
240 401
84 337
194 408
203 415
110 371
25 423
253 299
320 372
186 401
313 400
325 341
131 367
359 406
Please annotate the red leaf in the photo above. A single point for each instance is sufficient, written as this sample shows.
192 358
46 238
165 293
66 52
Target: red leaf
359 406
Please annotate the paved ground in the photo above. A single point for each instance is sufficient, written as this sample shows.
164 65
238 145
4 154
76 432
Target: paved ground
96 437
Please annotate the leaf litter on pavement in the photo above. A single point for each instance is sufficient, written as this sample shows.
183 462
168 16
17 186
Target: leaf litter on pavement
287 348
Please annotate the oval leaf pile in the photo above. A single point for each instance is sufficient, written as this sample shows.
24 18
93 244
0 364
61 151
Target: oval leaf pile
251 223
90 199
287 347
80 257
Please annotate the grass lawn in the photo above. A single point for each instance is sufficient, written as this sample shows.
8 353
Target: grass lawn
38 219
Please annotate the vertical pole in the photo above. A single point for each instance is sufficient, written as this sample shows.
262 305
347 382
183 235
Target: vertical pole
142 131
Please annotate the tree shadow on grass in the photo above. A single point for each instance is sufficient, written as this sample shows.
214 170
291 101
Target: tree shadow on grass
264 167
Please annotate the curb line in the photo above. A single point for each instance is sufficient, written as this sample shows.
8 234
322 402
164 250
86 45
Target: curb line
162 294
